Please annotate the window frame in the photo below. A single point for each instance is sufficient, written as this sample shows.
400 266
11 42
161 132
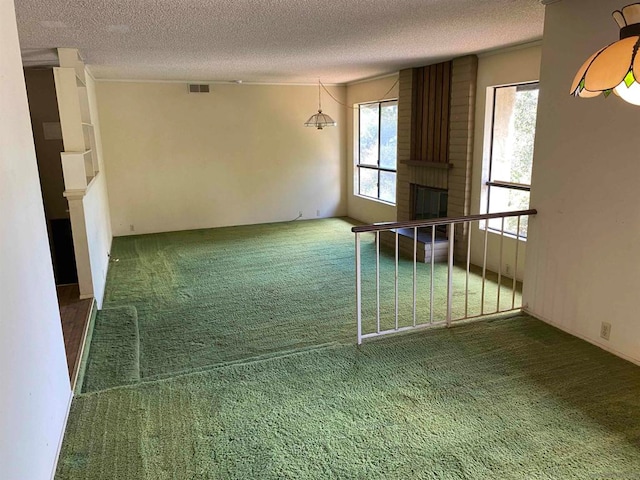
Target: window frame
377 168
489 183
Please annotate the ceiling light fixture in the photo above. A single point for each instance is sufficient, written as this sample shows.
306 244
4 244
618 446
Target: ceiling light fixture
320 120
615 68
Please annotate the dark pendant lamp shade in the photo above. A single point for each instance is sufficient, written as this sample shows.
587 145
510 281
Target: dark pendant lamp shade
616 67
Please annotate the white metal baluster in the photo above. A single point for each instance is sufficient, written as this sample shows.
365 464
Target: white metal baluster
500 266
358 289
515 267
466 286
451 225
415 271
397 264
433 245
484 265
378 281
452 229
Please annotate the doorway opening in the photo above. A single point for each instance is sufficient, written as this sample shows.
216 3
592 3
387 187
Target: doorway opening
47 136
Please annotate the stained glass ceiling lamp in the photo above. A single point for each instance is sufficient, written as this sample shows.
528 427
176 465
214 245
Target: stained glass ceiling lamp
320 120
616 67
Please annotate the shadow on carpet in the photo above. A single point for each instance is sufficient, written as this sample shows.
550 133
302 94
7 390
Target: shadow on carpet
116 341
509 398
208 297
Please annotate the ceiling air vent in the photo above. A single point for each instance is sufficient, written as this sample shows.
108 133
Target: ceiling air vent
196 88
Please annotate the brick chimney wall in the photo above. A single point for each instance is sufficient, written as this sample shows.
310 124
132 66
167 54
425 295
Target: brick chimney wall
456 179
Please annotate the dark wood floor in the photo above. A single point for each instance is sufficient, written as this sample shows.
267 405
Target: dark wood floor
74 314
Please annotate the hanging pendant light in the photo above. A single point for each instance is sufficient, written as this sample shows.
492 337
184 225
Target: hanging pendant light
320 120
615 68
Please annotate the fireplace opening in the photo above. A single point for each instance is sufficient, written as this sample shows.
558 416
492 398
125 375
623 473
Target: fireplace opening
428 203
425 203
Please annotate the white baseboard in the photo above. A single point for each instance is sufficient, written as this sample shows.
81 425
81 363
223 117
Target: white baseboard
582 337
61 439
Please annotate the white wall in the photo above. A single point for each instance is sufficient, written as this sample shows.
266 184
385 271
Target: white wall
583 260
361 208
515 65
35 392
96 209
238 155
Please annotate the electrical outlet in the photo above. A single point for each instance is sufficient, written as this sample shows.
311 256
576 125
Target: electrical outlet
507 269
317 213
131 228
605 330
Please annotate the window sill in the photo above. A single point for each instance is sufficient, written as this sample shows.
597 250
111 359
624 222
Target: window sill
495 232
376 200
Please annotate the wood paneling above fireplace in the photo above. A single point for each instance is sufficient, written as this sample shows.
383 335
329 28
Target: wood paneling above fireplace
430 113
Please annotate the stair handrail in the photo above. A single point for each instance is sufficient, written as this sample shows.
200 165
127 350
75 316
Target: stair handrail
377 227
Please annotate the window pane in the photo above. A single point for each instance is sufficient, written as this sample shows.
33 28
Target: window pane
368 182
388 186
377 149
369 134
507 200
388 134
514 133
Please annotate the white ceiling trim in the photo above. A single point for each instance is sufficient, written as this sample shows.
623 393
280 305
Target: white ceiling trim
513 48
373 79
218 82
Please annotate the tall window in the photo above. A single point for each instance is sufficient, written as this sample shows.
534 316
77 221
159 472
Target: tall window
513 132
377 150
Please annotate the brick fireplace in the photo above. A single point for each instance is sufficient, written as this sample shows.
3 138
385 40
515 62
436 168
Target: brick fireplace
453 175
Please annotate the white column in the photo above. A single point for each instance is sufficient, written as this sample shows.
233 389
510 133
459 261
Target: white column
80 242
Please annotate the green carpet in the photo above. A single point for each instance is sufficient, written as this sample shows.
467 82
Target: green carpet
116 338
509 398
207 297
229 354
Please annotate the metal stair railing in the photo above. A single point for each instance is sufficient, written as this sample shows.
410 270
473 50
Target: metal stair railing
450 224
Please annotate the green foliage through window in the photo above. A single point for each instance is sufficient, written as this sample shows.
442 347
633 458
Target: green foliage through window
377 150
512 140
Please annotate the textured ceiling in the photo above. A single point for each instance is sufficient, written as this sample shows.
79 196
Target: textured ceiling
286 41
